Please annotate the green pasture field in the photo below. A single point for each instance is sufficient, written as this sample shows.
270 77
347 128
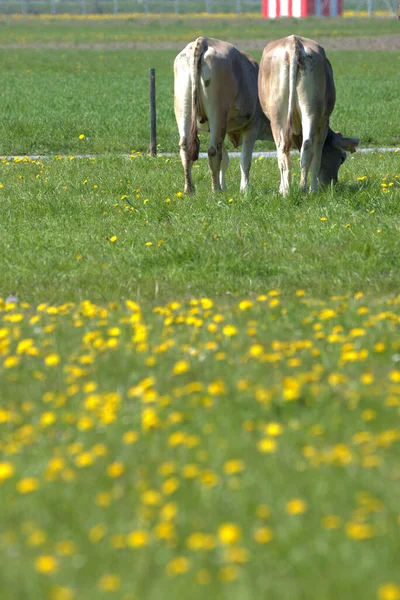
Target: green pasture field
50 97
167 28
199 396
55 211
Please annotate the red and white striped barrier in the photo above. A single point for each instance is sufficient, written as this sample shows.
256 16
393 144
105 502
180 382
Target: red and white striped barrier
273 9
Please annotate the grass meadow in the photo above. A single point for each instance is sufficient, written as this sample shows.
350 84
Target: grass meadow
199 395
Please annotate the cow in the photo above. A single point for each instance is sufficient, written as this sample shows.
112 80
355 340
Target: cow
215 90
297 93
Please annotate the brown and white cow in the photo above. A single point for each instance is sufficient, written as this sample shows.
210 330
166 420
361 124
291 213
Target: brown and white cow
215 90
297 93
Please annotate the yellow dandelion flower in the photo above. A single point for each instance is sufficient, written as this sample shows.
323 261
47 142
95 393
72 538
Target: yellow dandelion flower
151 498
109 583
297 506
182 366
178 566
6 470
394 376
216 388
46 564
103 499
233 467
138 538
82 136
62 593
267 445
229 330
115 469
130 437
229 534
389 591
10 362
273 429
28 485
113 238
245 305
263 535
52 360
359 531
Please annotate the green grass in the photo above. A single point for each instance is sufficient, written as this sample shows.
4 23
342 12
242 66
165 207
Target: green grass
179 374
50 97
181 29
134 404
210 245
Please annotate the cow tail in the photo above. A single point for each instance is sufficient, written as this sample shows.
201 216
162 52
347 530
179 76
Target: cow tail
200 46
293 64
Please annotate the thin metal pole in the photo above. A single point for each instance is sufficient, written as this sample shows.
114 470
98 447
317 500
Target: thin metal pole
83 7
115 7
153 130
53 7
176 7
238 7
146 8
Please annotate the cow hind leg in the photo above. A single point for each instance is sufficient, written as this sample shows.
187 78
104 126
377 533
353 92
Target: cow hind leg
316 162
224 167
306 158
187 165
249 138
217 125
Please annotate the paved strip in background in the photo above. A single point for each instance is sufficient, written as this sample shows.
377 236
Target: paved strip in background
270 154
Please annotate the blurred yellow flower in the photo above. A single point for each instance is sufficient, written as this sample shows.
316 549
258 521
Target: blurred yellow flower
46 564
229 534
109 583
297 506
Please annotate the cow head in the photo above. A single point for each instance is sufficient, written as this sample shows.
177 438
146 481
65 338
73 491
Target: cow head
334 155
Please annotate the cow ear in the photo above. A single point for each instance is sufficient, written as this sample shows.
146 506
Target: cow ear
349 144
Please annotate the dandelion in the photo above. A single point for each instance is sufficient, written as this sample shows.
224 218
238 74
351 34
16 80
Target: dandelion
229 330
52 360
62 593
138 538
263 535
81 136
6 470
229 534
178 566
182 366
115 469
267 445
297 506
46 564
113 238
28 485
359 531
109 583
389 591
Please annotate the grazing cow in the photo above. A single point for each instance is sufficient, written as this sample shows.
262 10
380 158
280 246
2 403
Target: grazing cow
215 90
297 94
